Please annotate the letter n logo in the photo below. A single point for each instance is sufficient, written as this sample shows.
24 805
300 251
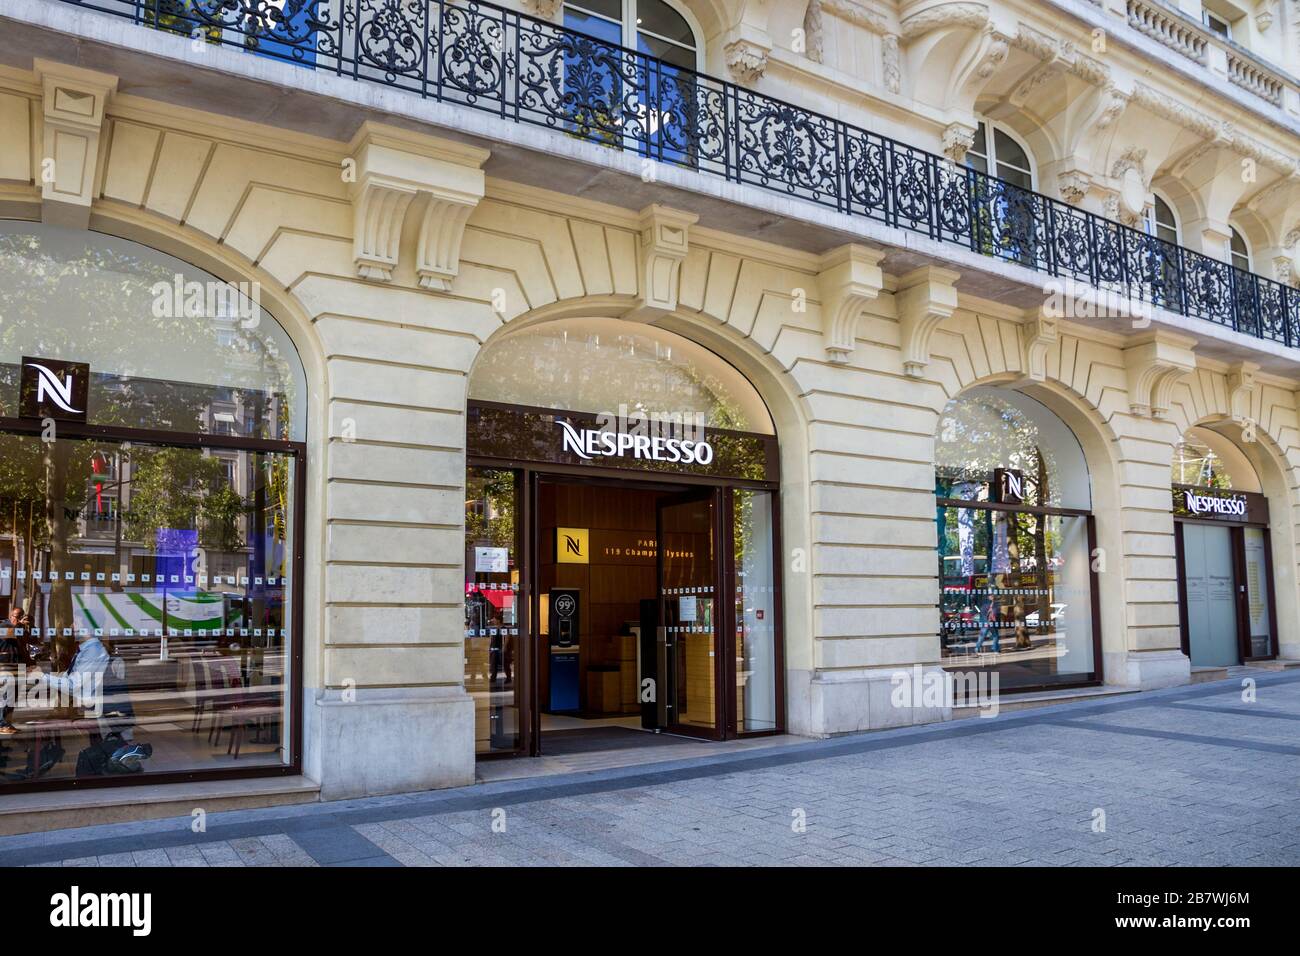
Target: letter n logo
49 388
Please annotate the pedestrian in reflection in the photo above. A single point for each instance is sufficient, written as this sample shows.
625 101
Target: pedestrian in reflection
13 653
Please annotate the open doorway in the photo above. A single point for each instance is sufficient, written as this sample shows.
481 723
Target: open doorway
606 613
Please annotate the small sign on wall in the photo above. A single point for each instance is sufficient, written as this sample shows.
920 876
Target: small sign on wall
572 546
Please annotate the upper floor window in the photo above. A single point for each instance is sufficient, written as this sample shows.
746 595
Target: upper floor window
1238 251
1216 23
653 27
1161 221
997 153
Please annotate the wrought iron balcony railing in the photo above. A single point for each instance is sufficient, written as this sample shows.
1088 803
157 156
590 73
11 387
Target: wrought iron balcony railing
526 70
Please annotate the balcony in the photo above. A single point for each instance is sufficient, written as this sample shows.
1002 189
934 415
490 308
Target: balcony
528 71
1184 36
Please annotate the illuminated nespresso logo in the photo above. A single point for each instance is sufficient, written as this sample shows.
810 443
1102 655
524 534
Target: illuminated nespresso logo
1234 507
49 388
589 443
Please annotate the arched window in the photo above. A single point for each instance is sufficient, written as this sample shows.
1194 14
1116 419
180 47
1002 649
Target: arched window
1238 251
653 27
153 539
998 153
1161 221
1015 539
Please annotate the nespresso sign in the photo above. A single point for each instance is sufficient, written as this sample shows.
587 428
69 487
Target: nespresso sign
49 388
1220 504
514 433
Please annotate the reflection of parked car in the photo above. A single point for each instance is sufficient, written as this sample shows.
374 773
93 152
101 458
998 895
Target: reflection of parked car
1058 612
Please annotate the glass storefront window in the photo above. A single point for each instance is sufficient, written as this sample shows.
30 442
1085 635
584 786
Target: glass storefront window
493 591
988 428
1016 594
169 347
1015 562
618 368
146 591
1258 598
755 611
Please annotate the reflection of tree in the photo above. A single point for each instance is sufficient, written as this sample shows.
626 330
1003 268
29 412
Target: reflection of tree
490 515
182 488
1195 464
975 436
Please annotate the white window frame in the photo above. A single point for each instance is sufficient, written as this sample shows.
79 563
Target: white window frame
630 28
991 158
1250 256
1150 217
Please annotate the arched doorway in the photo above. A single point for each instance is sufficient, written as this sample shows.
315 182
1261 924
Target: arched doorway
1227 606
621 536
152 420
1018 587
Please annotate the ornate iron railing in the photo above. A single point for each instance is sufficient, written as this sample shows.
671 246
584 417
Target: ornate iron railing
527 70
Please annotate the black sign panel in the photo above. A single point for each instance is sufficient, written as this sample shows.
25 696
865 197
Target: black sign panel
514 433
1008 486
49 388
1220 504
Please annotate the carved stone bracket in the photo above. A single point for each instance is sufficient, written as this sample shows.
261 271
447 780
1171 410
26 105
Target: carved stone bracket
957 139
1241 390
849 278
746 60
392 168
665 240
1154 365
73 105
1041 334
925 298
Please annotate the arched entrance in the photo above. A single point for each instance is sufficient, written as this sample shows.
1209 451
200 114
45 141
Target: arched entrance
621 541
1227 605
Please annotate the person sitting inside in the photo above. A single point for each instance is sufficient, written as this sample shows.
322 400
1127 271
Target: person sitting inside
95 682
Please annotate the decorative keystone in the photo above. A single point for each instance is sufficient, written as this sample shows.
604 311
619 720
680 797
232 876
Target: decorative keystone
1155 364
665 240
393 168
73 104
849 278
925 298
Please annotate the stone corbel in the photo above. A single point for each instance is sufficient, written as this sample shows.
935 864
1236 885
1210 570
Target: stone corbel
665 240
542 9
957 139
925 298
1154 365
392 167
1041 334
848 279
1073 185
746 58
73 104
1241 390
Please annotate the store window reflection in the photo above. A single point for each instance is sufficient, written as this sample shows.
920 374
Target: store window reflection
144 594
1015 542
492 608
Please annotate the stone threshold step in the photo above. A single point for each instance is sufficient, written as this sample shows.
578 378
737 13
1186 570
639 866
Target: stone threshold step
1011 702
1281 664
1203 675
62 809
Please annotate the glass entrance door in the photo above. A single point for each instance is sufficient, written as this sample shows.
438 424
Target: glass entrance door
1211 596
690 662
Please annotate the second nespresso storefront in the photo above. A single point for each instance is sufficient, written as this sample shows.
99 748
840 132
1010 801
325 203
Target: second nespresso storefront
1225 572
621 542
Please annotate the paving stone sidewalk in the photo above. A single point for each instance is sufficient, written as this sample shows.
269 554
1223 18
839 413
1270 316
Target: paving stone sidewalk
1190 775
